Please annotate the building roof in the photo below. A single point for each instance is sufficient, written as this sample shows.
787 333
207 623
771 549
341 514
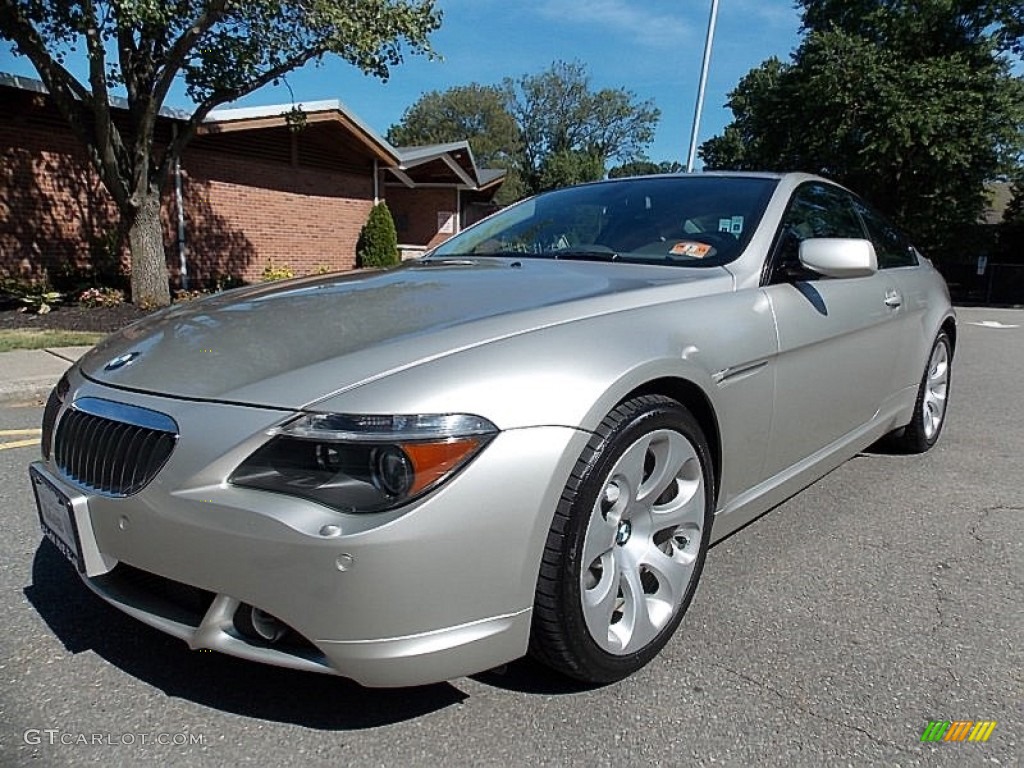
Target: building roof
279 116
450 163
36 86
333 124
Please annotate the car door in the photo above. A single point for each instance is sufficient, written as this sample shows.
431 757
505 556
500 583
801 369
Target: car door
898 259
836 351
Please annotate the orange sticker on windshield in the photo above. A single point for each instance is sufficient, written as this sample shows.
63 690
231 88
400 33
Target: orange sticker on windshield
690 248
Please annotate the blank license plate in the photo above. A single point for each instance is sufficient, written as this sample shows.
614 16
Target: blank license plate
57 518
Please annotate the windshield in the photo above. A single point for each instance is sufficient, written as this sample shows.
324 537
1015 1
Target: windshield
685 220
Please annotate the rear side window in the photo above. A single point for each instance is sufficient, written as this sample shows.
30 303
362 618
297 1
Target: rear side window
891 247
816 210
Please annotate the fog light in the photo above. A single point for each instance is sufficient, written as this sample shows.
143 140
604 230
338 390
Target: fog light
257 623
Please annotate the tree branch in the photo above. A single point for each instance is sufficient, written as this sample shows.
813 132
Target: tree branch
179 49
117 165
69 96
186 134
127 53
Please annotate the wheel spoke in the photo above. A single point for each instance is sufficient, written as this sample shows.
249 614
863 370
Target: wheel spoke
670 452
672 573
600 537
637 627
686 508
599 602
629 469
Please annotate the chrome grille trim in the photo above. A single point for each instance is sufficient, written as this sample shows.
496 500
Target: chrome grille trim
112 448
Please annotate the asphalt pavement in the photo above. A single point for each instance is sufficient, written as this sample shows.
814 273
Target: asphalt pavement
827 633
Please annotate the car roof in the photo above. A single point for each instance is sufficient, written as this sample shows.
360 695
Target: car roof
787 179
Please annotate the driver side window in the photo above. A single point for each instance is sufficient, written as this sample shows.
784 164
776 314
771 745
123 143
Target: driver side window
816 210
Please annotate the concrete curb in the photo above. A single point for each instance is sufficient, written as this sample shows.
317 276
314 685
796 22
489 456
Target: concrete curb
29 374
25 390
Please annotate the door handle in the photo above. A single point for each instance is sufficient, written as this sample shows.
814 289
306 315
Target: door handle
893 299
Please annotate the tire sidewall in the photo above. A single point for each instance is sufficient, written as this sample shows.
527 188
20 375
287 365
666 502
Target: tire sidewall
919 413
664 415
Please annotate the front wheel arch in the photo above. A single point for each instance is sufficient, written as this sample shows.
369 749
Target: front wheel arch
949 326
693 398
562 635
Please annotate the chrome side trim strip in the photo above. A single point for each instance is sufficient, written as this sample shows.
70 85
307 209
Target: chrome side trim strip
728 375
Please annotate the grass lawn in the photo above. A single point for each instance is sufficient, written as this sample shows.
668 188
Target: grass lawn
21 338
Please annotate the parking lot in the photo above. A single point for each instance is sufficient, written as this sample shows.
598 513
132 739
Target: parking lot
828 632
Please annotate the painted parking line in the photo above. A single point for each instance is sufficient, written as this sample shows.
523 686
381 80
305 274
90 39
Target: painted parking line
19 444
32 437
992 324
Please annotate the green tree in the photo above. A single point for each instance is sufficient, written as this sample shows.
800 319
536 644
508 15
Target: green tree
474 113
221 50
547 130
567 166
378 240
925 28
914 105
560 116
645 167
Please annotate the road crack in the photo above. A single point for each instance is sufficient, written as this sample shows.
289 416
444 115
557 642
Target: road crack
941 598
800 706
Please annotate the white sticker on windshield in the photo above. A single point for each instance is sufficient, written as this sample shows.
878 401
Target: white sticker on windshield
736 227
725 225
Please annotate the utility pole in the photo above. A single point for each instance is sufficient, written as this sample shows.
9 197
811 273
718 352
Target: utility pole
703 85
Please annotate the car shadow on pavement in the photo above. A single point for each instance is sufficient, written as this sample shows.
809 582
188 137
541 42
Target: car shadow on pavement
528 676
84 622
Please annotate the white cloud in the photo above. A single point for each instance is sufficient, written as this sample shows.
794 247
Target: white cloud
635 20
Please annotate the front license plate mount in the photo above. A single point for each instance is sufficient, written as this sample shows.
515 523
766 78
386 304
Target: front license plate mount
57 519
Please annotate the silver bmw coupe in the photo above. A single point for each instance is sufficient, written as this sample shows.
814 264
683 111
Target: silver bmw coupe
522 443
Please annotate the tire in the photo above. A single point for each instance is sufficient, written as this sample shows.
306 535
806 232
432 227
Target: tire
627 543
932 399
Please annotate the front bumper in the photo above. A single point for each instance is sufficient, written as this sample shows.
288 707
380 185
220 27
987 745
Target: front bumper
435 590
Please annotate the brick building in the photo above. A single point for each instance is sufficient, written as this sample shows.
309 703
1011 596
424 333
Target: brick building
254 190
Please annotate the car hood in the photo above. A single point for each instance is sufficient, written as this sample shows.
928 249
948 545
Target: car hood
292 343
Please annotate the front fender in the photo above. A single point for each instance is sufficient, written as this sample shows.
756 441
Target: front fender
573 374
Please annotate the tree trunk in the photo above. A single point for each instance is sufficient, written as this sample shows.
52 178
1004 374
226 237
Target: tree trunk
150 286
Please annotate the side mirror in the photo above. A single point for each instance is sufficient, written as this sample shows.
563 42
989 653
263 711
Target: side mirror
839 256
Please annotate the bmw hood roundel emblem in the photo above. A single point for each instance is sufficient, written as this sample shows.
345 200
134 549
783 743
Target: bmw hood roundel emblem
121 361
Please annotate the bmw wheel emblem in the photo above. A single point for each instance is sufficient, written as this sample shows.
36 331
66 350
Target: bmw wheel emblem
121 361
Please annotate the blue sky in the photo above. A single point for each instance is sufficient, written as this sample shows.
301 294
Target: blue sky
653 48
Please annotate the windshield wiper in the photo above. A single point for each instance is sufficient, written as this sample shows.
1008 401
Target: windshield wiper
592 253
596 253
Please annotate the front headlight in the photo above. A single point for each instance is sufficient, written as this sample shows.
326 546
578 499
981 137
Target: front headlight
364 463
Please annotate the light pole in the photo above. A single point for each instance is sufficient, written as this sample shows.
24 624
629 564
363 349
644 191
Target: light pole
703 85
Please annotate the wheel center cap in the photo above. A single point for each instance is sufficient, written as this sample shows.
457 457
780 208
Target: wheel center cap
623 533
